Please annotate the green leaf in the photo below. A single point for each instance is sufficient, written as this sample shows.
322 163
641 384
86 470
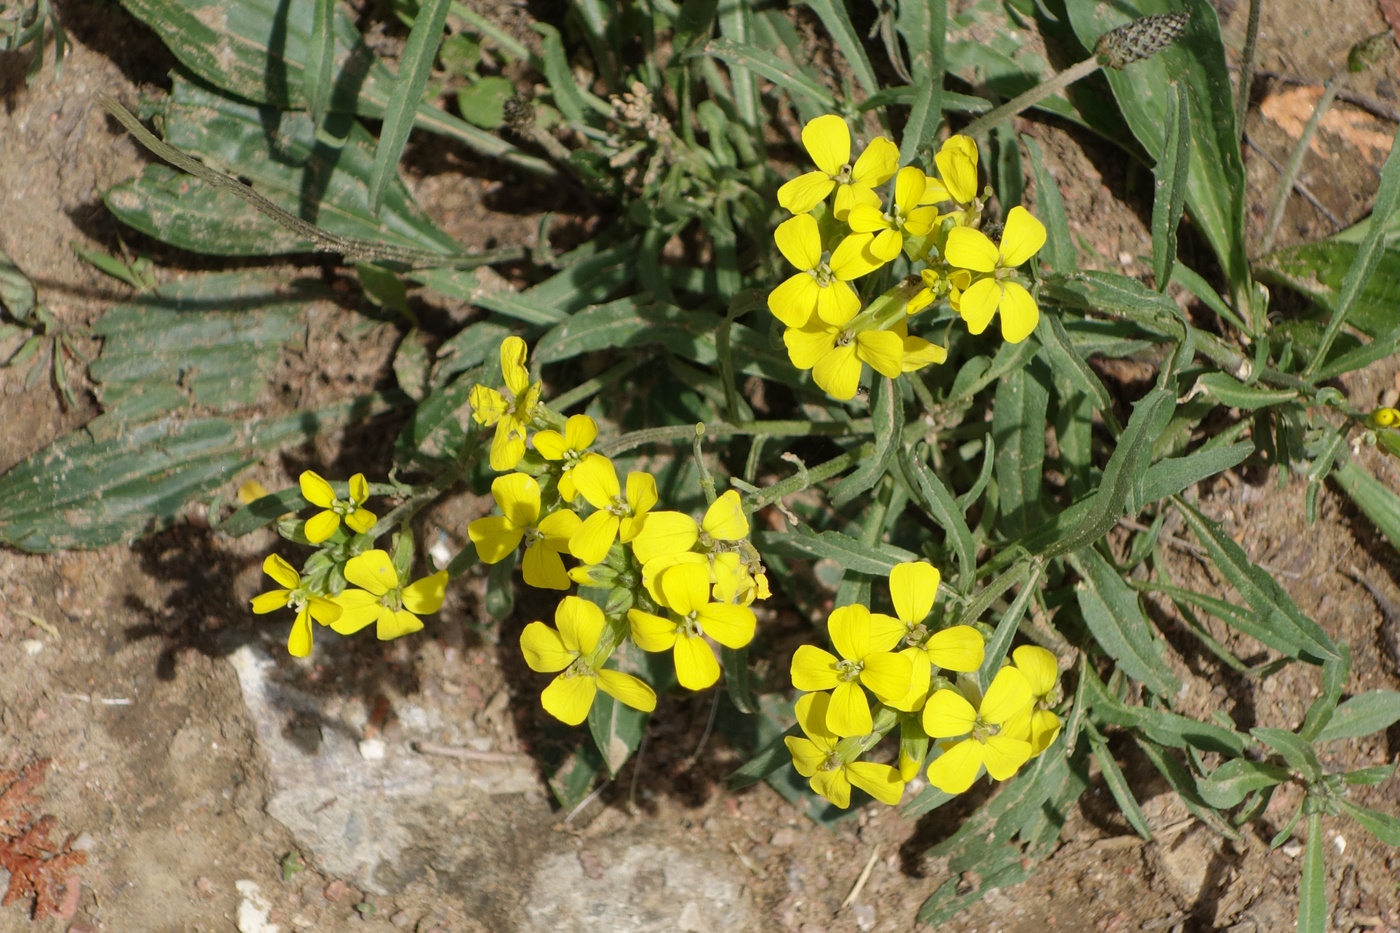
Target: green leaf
1312 888
411 365
1274 607
1286 640
934 498
735 664
1236 394
317 84
924 26
571 779
794 79
17 295
81 493
1334 679
384 288
483 102
1170 178
415 66
1018 425
769 759
1363 714
1369 777
1010 621
887 414
1318 270
838 24
1172 476
209 341
1059 249
1118 785
1180 780
262 512
233 137
1115 618
1383 826
257 49
617 730
1160 726
853 556
567 96
1294 749
1236 779
1380 504
1215 188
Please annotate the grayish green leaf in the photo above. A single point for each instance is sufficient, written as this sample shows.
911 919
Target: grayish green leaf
887 414
1115 617
415 64
1170 178
1363 714
1018 425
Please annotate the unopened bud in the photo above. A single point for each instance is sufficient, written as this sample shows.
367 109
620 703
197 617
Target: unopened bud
1142 38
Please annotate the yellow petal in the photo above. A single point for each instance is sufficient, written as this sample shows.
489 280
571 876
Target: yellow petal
948 715
557 528
488 405
1004 756
887 675
372 571
696 667
795 299
834 786
1040 666
810 711
852 257
920 221
935 191
550 444
1022 237
641 494
959 648
828 141
252 490
913 587
970 249
849 630
885 632
850 196
323 610
979 303
299 641
651 632
813 669
685 587
1009 694
836 303
919 353
508 445
954 771
909 185
877 164
316 490
321 526
663 534
360 520
359 489
838 373
879 781
518 497
800 241
957 164
887 244
568 699
425 596
1045 728
597 482
580 431
805 192
513 371
281 571
1019 312
594 537
396 623
731 626
544 649
725 519
866 219
883 350
494 537
920 677
849 712
806 756
270 601
628 690
358 609
580 624
806 345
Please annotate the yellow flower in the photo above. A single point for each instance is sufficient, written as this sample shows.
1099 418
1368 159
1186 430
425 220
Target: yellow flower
935 286
510 413
827 140
863 639
580 431
819 286
957 164
319 493
815 758
1384 418
667 533
305 604
383 597
903 218
948 714
570 650
913 588
834 355
1042 672
685 591
972 250
616 516
545 538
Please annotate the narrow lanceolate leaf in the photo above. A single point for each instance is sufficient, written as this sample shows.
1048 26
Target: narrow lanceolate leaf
1334 680
1115 618
1312 888
1378 501
852 555
935 499
838 23
1363 714
320 58
1272 604
1018 424
1118 785
887 414
1050 208
924 27
1228 785
617 730
1294 749
1383 826
1236 394
1159 725
767 65
769 759
414 67
1169 178
735 664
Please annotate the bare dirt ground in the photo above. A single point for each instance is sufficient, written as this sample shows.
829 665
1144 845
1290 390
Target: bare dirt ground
216 784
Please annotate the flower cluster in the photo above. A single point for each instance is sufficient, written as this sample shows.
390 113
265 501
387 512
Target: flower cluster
923 683
833 246
347 583
674 584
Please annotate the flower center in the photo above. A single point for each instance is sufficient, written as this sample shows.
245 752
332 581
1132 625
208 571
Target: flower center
297 599
849 670
823 274
533 536
844 176
845 338
690 626
579 668
832 763
392 599
620 507
983 730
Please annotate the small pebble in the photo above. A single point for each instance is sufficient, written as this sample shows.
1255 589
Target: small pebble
865 917
205 887
403 920
783 838
338 891
372 749
31 646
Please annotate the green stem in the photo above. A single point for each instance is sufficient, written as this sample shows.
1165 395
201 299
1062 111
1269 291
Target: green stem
816 474
1251 41
1034 96
684 432
1295 160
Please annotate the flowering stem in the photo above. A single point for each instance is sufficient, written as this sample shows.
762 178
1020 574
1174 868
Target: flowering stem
1295 160
809 477
682 432
1034 96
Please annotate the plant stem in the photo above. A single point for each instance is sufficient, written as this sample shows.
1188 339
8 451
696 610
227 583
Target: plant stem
684 432
816 474
1251 42
1295 160
1034 96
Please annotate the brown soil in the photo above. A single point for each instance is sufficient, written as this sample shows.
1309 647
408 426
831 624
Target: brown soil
116 663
